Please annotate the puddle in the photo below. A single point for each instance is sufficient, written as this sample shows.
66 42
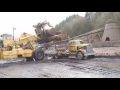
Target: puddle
108 65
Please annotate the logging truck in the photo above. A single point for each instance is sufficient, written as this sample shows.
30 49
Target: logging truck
76 48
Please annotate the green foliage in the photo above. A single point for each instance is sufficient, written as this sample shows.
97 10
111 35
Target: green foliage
98 19
74 25
110 21
64 22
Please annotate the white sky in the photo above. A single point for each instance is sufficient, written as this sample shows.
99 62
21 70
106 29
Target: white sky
24 21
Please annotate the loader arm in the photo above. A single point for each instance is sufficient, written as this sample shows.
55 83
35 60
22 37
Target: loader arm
26 38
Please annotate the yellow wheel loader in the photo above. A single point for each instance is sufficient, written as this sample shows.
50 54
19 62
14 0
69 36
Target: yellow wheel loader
24 46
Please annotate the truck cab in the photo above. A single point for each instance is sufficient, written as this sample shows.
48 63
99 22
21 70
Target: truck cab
74 45
81 49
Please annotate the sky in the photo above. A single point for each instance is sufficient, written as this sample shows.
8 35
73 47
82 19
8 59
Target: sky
24 21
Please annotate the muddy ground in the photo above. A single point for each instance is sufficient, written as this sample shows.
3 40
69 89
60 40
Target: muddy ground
106 64
99 67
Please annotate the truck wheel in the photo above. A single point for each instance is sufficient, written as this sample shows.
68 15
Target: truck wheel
60 57
55 57
66 56
80 55
91 56
29 58
39 55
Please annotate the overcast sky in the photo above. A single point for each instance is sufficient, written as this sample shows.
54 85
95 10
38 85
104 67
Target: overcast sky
24 21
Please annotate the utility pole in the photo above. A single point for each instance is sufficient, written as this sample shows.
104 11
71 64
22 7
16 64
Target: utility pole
13 32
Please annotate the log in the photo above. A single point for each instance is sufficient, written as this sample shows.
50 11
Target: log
57 37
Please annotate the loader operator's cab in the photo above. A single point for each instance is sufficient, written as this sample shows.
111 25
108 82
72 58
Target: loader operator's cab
6 40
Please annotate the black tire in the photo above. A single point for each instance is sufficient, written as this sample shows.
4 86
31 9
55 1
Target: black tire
29 58
91 56
66 56
39 54
59 57
80 55
55 57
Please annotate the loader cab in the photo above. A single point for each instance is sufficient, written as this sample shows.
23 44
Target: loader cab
6 36
6 39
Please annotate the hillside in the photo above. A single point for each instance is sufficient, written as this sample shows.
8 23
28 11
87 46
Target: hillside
76 25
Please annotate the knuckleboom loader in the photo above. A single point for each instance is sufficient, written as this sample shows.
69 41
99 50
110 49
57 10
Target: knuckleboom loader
25 46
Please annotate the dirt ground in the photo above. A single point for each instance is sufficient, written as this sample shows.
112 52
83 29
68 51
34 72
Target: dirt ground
107 51
98 67
63 68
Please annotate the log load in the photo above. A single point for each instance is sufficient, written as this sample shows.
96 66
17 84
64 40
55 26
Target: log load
48 35
57 37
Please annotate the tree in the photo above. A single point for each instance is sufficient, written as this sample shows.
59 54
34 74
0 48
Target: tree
89 15
74 25
99 19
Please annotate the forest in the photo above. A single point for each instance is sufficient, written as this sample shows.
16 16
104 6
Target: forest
76 25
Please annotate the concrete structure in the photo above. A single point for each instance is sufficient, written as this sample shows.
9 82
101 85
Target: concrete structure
111 31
